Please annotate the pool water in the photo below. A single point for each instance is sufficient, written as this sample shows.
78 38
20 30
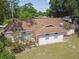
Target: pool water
26 36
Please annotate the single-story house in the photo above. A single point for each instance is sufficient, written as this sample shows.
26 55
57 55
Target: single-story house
44 31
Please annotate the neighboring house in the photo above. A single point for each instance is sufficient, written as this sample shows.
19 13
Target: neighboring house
70 28
44 31
2 28
68 19
74 20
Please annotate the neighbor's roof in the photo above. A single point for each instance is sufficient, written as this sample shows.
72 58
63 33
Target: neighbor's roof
2 26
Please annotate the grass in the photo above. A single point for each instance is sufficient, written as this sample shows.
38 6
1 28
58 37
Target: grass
65 50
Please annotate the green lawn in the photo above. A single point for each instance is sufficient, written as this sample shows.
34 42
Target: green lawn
65 50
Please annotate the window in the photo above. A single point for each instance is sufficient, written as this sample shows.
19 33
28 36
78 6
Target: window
56 35
47 36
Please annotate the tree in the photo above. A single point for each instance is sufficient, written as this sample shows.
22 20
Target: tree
41 13
4 54
8 7
48 12
14 8
64 8
3 8
55 7
27 11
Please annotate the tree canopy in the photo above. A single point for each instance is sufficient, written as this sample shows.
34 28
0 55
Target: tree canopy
10 9
61 8
27 11
14 8
7 9
3 8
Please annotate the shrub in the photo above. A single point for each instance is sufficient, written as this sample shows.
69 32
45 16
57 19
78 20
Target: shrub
17 48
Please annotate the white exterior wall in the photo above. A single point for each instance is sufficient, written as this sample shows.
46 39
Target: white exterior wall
52 39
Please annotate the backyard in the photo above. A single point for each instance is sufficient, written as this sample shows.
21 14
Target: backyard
64 50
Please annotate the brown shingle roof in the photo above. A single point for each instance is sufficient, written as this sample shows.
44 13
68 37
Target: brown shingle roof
39 23
39 26
46 30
